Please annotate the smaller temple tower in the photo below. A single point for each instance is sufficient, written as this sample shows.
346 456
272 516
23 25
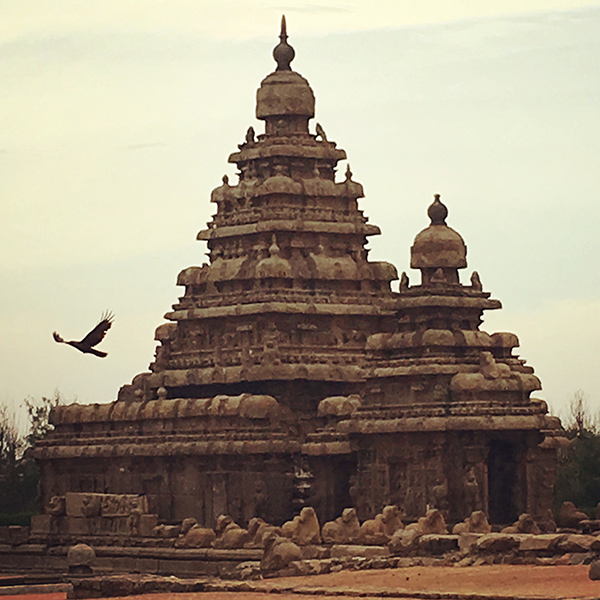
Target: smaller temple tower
447 413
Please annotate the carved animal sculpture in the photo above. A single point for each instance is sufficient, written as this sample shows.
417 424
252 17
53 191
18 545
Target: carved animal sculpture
304 528
93 338
279 553
344 530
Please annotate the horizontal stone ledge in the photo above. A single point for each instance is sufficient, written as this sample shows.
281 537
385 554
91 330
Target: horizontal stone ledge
40 589
167 449
326 448
428 424
447 301
303 308
209 554
426 369
282 225
287 150
267 372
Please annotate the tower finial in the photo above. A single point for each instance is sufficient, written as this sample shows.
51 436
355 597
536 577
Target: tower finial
437 212
283 53
283 35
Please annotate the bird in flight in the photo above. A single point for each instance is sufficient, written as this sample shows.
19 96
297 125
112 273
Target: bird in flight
93 338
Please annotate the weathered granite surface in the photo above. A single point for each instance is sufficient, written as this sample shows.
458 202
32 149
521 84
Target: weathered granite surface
290 375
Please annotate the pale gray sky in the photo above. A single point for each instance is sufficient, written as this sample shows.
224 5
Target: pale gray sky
116 122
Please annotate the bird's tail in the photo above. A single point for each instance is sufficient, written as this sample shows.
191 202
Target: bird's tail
97 352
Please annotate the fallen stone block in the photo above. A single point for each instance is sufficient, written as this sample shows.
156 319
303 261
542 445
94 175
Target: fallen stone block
438 544
404 541
497 542
311 567
310 552
545 542
594 572
576 543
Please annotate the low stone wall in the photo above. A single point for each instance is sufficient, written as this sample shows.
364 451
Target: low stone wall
427 550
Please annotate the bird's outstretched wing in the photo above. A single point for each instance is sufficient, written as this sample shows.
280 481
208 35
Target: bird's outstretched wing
96 335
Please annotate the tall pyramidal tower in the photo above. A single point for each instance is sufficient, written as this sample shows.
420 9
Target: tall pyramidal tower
289 374
289 297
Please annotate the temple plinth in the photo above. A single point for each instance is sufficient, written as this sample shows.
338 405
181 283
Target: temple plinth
289 374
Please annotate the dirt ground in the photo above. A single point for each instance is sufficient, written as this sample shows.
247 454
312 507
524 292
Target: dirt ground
494 582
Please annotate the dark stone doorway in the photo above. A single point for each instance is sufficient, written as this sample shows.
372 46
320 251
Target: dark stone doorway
502 481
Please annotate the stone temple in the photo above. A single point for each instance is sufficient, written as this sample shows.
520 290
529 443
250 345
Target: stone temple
289 374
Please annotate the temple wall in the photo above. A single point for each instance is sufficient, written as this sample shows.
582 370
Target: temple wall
457 472
184 486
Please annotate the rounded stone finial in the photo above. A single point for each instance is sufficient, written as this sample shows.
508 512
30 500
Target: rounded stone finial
437 211
283 53
80 559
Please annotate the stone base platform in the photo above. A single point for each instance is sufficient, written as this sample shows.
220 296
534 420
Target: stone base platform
225 564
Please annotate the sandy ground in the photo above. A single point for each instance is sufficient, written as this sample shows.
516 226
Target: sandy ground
497 581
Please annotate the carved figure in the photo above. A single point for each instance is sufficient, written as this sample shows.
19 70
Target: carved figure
432 522
380 530
525 524
229 534
476 523
404 281
476 282
250 135
195 536
438 276
93 338
56 506
303 529
491 369
546 522
134 520
570 516
258 530
279 553
321 132
439 495
91 505
344 530
471 488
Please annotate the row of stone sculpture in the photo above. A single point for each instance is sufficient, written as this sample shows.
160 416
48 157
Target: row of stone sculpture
386 528
303 530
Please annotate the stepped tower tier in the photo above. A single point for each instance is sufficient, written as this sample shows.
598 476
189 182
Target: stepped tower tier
289 294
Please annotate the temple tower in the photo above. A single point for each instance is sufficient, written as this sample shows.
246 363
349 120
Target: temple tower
289 297
290 374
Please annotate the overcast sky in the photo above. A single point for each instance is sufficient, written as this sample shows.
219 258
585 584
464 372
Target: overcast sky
117 118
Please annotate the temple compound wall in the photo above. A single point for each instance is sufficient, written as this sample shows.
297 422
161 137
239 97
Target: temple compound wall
289 374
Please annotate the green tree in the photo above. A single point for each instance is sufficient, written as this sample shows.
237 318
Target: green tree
578 474
19 474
